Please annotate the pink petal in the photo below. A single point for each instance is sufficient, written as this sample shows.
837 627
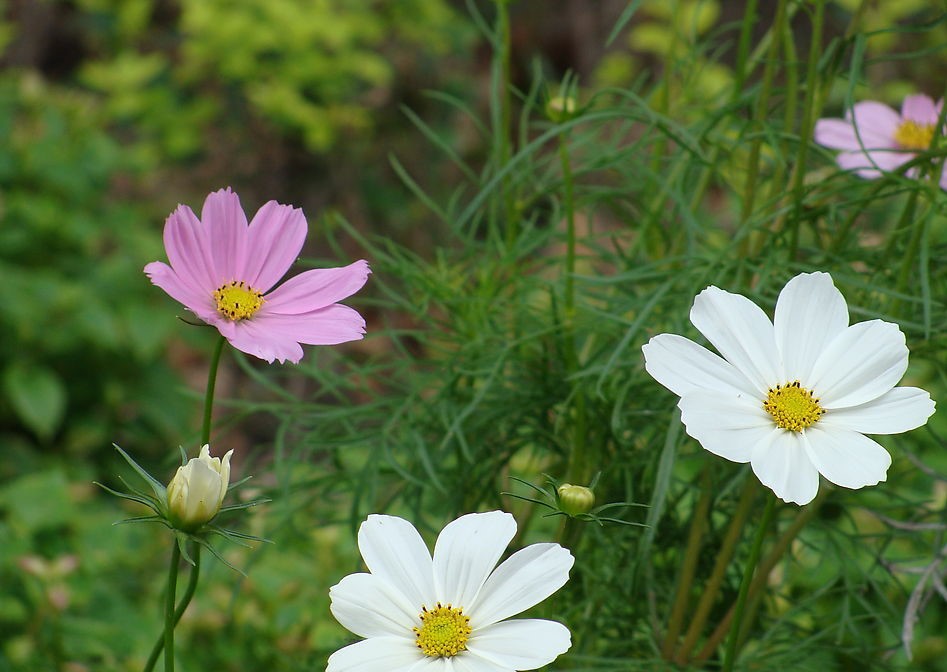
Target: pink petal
199 303
226 227
318 288
873 164
875 123
277 234
921 109
188 248
260 341
836 134
327 326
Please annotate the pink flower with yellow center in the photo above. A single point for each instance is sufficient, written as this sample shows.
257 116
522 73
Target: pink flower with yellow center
874 139
223 270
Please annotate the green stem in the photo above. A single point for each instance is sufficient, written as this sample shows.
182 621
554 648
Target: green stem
182 605
502 131
712 587
731 652
569 204
209 394
169 608
689 565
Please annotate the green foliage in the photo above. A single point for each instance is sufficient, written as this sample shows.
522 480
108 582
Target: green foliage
81 344
308 70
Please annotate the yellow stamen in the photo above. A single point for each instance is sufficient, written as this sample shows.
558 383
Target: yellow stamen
444 631
792 407
237 300
912 135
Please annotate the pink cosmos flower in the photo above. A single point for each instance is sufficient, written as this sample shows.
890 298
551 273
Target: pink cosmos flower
875 139
223 270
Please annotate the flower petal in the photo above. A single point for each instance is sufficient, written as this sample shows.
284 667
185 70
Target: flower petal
810 313
875 123
254 337
741 332
846 458
683 366
465 553
188 247
378 654
369 606
276 236
525 579
920 109
783 465
325 326
522 644
394 551
317 288
226 226
898 410
726 425
199 303
860 364
872 165
836 134
468 662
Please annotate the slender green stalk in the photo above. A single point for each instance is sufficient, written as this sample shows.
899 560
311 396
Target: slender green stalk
578 459
712 587
209 394
689 565
182 605
759 581
502 124
169 608
731 652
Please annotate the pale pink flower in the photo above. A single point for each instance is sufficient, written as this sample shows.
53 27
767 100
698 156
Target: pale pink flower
875 139
223 270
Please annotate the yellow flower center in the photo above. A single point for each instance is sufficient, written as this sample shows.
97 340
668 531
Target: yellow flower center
237 300
444 631
792 406
912 135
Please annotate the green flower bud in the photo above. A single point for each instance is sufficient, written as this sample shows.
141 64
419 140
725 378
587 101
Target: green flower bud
575 499
197 490
560 108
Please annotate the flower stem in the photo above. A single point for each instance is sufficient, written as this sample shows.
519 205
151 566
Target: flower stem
169 608
182 605
736 624
209 394
712 587
689 565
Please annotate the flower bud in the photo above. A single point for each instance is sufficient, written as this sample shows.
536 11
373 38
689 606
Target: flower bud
575 499
197 490
560 108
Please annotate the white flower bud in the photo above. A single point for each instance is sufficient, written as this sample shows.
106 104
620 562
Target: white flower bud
197 490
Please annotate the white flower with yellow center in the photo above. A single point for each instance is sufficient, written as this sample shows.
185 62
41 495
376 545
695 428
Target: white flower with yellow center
793 397
447 613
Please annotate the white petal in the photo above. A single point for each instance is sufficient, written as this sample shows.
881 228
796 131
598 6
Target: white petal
783 465
370 607
394 551
683 366
860 364
898 410
847 458
727 425
468 662
525 579
523 644
466 551
741 332
810 313
378 654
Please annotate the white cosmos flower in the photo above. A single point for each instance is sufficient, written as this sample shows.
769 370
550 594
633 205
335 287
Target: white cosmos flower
793 397
446 614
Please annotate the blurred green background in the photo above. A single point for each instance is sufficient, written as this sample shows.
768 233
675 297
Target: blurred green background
379 118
